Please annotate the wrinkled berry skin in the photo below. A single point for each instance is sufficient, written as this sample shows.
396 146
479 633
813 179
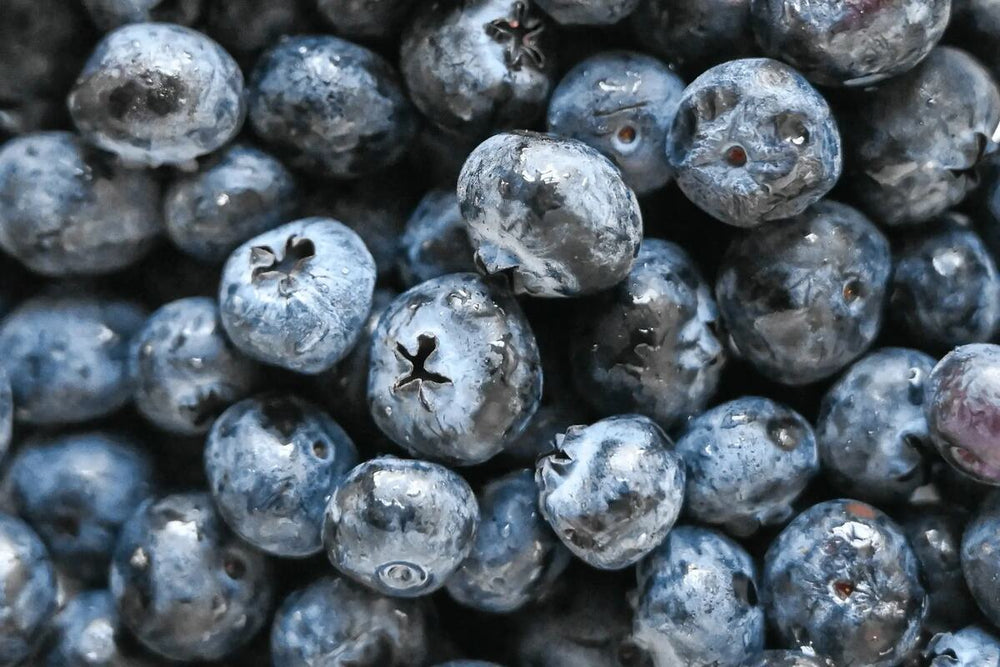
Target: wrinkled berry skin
400 527
29 585
587 12
946 288
156 93
109 14
435 241
972 646
67 356
272 463
67 209
515 557
76 490
611 490
184 369
87 632
837 43
747 461
650 344
842 578
871 428
330 107
298 295
696 601
786 659
551 213
962 406
365 19
185 586
455 371
803 298
237 194
478 66
914 142
336 623
665 27
752 141
622 104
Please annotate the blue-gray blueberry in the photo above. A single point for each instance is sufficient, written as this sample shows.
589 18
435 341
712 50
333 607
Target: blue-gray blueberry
435 241
87 632
28 581
972 646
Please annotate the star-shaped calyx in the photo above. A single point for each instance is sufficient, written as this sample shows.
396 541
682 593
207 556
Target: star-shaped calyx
520 35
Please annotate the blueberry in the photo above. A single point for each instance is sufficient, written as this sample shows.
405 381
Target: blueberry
552 214
336 623
155 93
68 209
184 585
611 490
67 355
747 461
479 65
803 298
87 632
915 141
621 103
752 141
696 601
108 14
435 241
852 44
651 344
239 193
297 296
871 428
332 108
366 19
551 419
29 590
841 578
246 27
76 490
962 405
515 557
786 659
972 646
587 12
945 288
272 463
184 369
455 372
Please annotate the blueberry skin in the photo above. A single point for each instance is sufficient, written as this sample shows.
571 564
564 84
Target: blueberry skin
650 345
240 193
455 371
156 93
297 296
962 406
747 461
109 14
68 209
400 526
752 141
696 601
185 586
336 623
330 107
871 428
946 288
665 27
842 579
478 66
786 659
611 490
29 584
550 213
588 12
272 463
803 298
365 19
971 646
76 490
622 104
849 44
980 542
87 632
184 369
515 557
435 241
914 142
67 355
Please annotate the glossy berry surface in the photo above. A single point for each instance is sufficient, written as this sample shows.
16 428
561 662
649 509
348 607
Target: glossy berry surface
779 658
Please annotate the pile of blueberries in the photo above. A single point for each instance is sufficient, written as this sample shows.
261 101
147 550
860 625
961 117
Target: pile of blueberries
533 333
